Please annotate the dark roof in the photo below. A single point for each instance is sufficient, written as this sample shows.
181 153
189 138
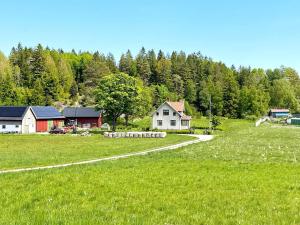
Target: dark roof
12 112
46 112
75 112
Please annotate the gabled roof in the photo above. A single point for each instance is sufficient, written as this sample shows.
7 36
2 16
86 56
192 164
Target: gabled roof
12 112
178 106
75 112
46 112
280 110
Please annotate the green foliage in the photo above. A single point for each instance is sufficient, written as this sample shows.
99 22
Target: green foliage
283 96
215 122
49 76
117 94
253 101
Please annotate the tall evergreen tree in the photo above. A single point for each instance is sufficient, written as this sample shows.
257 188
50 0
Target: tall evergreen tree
142 66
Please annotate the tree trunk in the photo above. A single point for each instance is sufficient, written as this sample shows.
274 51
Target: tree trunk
114 123
126 120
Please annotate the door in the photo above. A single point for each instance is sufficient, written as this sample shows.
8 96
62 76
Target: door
26 129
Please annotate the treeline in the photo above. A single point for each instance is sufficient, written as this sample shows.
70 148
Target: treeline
43 76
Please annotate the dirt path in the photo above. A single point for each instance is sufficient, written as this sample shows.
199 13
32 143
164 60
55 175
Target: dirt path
200 138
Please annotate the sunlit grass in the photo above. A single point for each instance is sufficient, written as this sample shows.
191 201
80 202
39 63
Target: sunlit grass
246 175
32 150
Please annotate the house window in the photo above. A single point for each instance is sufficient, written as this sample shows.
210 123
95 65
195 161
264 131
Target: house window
174 113
165 112
157 113
159 122
185 123
173 123
3 127
17 126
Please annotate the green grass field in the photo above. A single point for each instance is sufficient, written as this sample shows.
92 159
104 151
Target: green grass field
35 150
246 175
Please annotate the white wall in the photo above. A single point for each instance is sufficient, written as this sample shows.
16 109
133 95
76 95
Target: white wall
166 124
11 126
29 123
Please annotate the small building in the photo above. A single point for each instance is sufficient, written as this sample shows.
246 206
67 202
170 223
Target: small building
84 117
295 121
279 113
170 116
47 117
17 119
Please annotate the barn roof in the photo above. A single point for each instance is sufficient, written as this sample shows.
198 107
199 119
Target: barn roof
280 110
12 112
46 112
75 112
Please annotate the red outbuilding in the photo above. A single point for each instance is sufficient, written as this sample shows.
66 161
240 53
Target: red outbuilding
47 117
84 117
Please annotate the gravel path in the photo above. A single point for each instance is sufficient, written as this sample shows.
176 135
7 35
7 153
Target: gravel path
200 138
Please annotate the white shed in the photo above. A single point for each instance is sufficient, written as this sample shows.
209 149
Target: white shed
17 119
170 116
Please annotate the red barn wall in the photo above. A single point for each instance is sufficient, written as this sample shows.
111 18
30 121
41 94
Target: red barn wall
94 122
43 125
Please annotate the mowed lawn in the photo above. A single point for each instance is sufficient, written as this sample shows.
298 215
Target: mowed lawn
32 150
246 175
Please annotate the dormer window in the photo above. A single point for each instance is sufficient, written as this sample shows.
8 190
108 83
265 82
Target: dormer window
157 113
174 113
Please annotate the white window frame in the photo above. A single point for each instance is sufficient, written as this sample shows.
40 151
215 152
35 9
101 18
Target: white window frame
185 124
173 125
159 123
165 111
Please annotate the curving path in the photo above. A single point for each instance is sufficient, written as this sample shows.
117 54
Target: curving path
200 138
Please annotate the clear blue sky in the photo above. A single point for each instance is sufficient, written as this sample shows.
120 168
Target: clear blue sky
260 33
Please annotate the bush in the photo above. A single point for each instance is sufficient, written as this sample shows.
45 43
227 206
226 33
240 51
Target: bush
251 117
207 132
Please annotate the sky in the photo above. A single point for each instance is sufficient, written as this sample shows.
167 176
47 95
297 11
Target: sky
256 33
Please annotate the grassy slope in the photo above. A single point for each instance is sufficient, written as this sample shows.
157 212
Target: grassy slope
246 175
31 150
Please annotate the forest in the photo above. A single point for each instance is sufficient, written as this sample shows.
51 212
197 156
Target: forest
44 76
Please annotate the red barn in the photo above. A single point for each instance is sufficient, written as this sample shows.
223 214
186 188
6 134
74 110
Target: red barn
84 117
47 117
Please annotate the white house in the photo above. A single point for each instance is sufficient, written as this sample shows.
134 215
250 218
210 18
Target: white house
17 119
170 116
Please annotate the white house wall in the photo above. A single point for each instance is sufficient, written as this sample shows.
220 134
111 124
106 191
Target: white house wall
11 126
28 123
166 124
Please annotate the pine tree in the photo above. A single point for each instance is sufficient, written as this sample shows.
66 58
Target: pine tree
143 67
151 56
111 63
38 62
127 65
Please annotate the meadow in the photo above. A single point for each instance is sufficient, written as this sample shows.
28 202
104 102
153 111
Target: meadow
41 150
246 175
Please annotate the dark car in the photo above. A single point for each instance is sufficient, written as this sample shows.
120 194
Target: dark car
57 131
